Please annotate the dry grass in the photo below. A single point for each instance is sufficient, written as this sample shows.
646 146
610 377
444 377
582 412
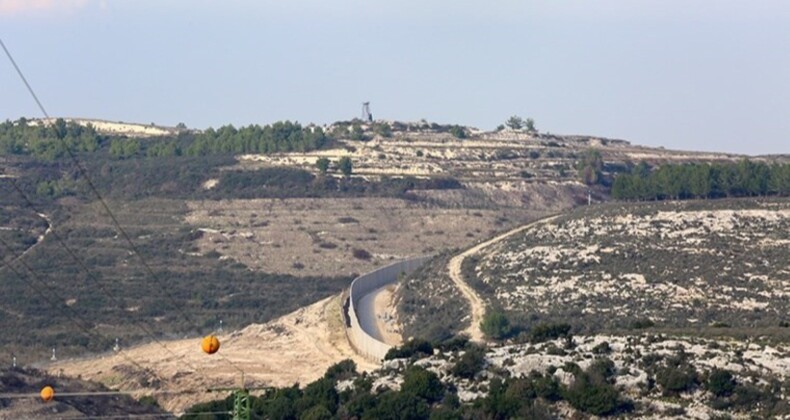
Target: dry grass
320 236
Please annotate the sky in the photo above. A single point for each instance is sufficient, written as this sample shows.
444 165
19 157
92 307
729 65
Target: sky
709 75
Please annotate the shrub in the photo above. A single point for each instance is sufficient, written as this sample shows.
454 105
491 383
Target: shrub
598 398
383 129
495 325
592 393
422 383
345 369
750 397
643 323
455 343
361 254
318 412
470 363
602 348
677 379
545 332
357 133
720 382
319 393
413 347
398 405
458 131
345 166
322 164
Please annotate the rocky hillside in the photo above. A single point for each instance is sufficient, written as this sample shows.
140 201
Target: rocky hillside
639 376
714 267
677 265
499 168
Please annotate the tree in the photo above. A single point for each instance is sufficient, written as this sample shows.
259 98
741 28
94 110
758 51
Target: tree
345 166
124 148
495 324
383 129
357 133
592 391
515 122
590 167
458 132
398 406
414 347
470 363
700 182
721 382
422 383
322 164
529 124
677 376
551 331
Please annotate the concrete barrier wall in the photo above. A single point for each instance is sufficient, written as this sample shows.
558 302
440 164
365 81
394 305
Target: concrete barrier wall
362 341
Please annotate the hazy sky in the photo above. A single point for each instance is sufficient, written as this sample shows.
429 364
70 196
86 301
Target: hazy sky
685 74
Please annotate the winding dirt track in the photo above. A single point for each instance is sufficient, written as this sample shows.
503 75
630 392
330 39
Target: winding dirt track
475 301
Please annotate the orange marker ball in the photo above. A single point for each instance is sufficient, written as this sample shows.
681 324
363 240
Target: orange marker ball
47 393
210 344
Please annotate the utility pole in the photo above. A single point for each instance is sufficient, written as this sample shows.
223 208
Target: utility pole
241 399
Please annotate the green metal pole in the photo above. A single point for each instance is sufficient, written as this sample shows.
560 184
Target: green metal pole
241 405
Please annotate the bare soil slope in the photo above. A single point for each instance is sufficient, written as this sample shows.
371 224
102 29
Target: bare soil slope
298 347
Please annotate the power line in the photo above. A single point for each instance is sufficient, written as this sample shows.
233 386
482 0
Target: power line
89 275
71 317
122 232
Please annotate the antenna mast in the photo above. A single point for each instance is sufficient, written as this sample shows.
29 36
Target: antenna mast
366 115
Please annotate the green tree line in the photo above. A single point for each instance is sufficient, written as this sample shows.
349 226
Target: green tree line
48 142
282 136
745 178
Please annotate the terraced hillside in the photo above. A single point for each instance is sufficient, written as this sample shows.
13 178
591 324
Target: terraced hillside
721 266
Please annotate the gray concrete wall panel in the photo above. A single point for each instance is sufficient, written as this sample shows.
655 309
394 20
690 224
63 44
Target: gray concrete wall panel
362 341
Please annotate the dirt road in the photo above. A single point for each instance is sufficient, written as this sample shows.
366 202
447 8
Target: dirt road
476 303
